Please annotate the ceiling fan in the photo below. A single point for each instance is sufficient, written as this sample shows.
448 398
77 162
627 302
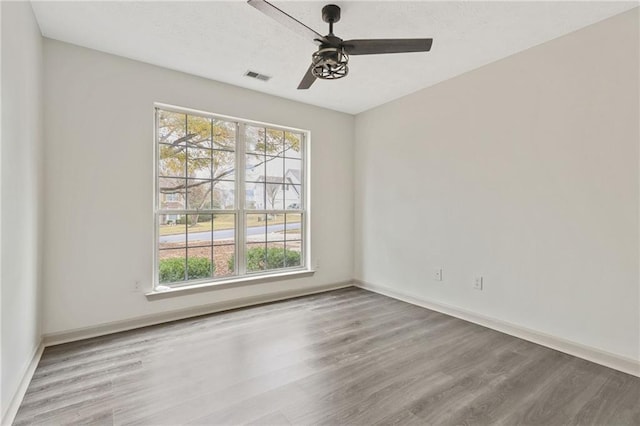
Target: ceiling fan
330 61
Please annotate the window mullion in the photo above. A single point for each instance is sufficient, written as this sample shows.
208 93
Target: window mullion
304 202
241 244
156 200
186 199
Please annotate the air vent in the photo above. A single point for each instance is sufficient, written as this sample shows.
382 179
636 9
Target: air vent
257 75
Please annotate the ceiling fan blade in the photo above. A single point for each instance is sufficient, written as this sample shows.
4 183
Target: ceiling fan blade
287 20
307 80
377 46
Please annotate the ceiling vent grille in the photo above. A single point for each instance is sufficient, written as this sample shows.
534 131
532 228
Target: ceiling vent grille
257 76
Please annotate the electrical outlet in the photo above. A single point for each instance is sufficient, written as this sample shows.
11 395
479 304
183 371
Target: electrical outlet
477 283
137 287
437 274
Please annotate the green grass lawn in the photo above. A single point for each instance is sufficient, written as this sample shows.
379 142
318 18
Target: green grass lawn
220 222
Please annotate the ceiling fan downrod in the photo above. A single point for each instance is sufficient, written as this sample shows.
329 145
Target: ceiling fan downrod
331 15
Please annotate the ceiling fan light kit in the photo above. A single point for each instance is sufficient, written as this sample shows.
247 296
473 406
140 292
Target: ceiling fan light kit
330 61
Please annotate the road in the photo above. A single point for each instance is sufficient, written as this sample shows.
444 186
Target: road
224 234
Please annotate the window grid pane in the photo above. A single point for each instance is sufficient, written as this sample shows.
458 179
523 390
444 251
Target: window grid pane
224 234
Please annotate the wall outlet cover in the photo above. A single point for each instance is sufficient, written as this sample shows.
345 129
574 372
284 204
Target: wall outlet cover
437 274
477 283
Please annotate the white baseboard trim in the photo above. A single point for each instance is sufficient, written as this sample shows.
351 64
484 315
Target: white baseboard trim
52 339
11 410
617 362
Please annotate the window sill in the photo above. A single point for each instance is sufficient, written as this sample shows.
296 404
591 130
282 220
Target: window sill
235 282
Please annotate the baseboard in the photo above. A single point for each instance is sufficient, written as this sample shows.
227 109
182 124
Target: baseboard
617 362
52 339
12 409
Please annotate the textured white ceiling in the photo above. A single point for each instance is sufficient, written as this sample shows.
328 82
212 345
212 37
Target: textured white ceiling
222 40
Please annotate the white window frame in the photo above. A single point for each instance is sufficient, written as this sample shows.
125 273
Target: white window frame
241 275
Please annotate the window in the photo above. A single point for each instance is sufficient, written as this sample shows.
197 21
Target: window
204 230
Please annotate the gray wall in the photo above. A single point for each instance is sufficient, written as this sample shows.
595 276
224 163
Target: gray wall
21 193
525 172
99 173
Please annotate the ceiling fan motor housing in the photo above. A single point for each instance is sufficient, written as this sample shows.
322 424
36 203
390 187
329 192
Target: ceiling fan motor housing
330 61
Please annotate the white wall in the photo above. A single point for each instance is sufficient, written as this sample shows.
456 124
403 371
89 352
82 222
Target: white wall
98 173
525 172
21 191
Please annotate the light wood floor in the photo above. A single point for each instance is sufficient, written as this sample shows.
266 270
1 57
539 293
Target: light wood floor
343 357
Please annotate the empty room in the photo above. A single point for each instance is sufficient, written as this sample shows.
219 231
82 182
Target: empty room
302 212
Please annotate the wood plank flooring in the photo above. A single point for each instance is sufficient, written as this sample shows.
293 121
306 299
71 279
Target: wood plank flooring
343 357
